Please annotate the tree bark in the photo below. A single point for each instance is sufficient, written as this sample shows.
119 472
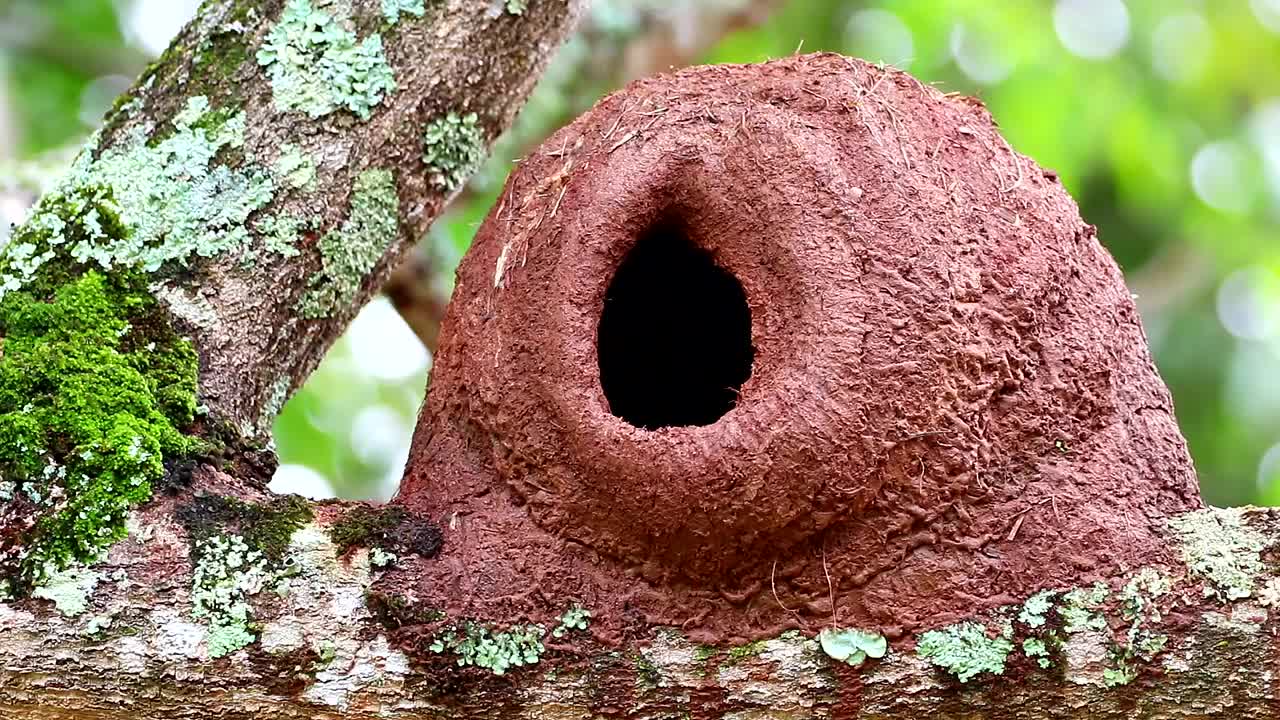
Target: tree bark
325 653
255 188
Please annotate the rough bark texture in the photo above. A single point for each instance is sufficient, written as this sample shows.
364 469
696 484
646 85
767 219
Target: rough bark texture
325 652
463 56
977 492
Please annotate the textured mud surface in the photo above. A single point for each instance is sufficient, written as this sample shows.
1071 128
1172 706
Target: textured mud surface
950 401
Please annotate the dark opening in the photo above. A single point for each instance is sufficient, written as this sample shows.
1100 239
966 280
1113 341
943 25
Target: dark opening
675 335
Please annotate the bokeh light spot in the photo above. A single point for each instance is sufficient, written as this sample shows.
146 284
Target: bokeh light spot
1180 47
1249 303
1092 29
1218 176
1269 468
978 56
1265 127
300 480
1268 13
879 36
383 345
378 434
151 24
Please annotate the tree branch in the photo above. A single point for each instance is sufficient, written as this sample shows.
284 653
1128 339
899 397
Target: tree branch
325 652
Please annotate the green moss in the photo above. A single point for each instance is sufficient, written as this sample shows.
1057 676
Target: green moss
647 674
965 650
349 253
390 527
317 67
265 528
703 653
497 651
218 60
453 149
1220 547
851 645
394 611
95 386
95 390
237 549
362 526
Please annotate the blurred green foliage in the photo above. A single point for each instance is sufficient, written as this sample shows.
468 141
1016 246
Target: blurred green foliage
1161 116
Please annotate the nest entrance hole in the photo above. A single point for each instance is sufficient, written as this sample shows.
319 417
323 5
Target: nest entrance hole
674 336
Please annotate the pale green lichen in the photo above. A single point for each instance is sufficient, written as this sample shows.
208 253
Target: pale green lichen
496 651
1140 645
1081 608
453 149
68 589
1036 649
328 652
1138 598
393 9
852 646
317 66
296 168
1221 548
97 625
1139 607
380 558
280 234
144 204
349 253
227 573
275 403
517 7
1035 611
965 650
576 617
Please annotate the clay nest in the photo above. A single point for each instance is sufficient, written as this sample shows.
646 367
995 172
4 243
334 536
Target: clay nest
753 347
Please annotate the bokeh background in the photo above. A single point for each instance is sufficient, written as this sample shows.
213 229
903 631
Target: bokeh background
1162 117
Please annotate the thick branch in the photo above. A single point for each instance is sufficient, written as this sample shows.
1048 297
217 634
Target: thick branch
333 647
254 327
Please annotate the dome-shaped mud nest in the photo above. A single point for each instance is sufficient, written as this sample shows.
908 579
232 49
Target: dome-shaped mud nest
754 347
